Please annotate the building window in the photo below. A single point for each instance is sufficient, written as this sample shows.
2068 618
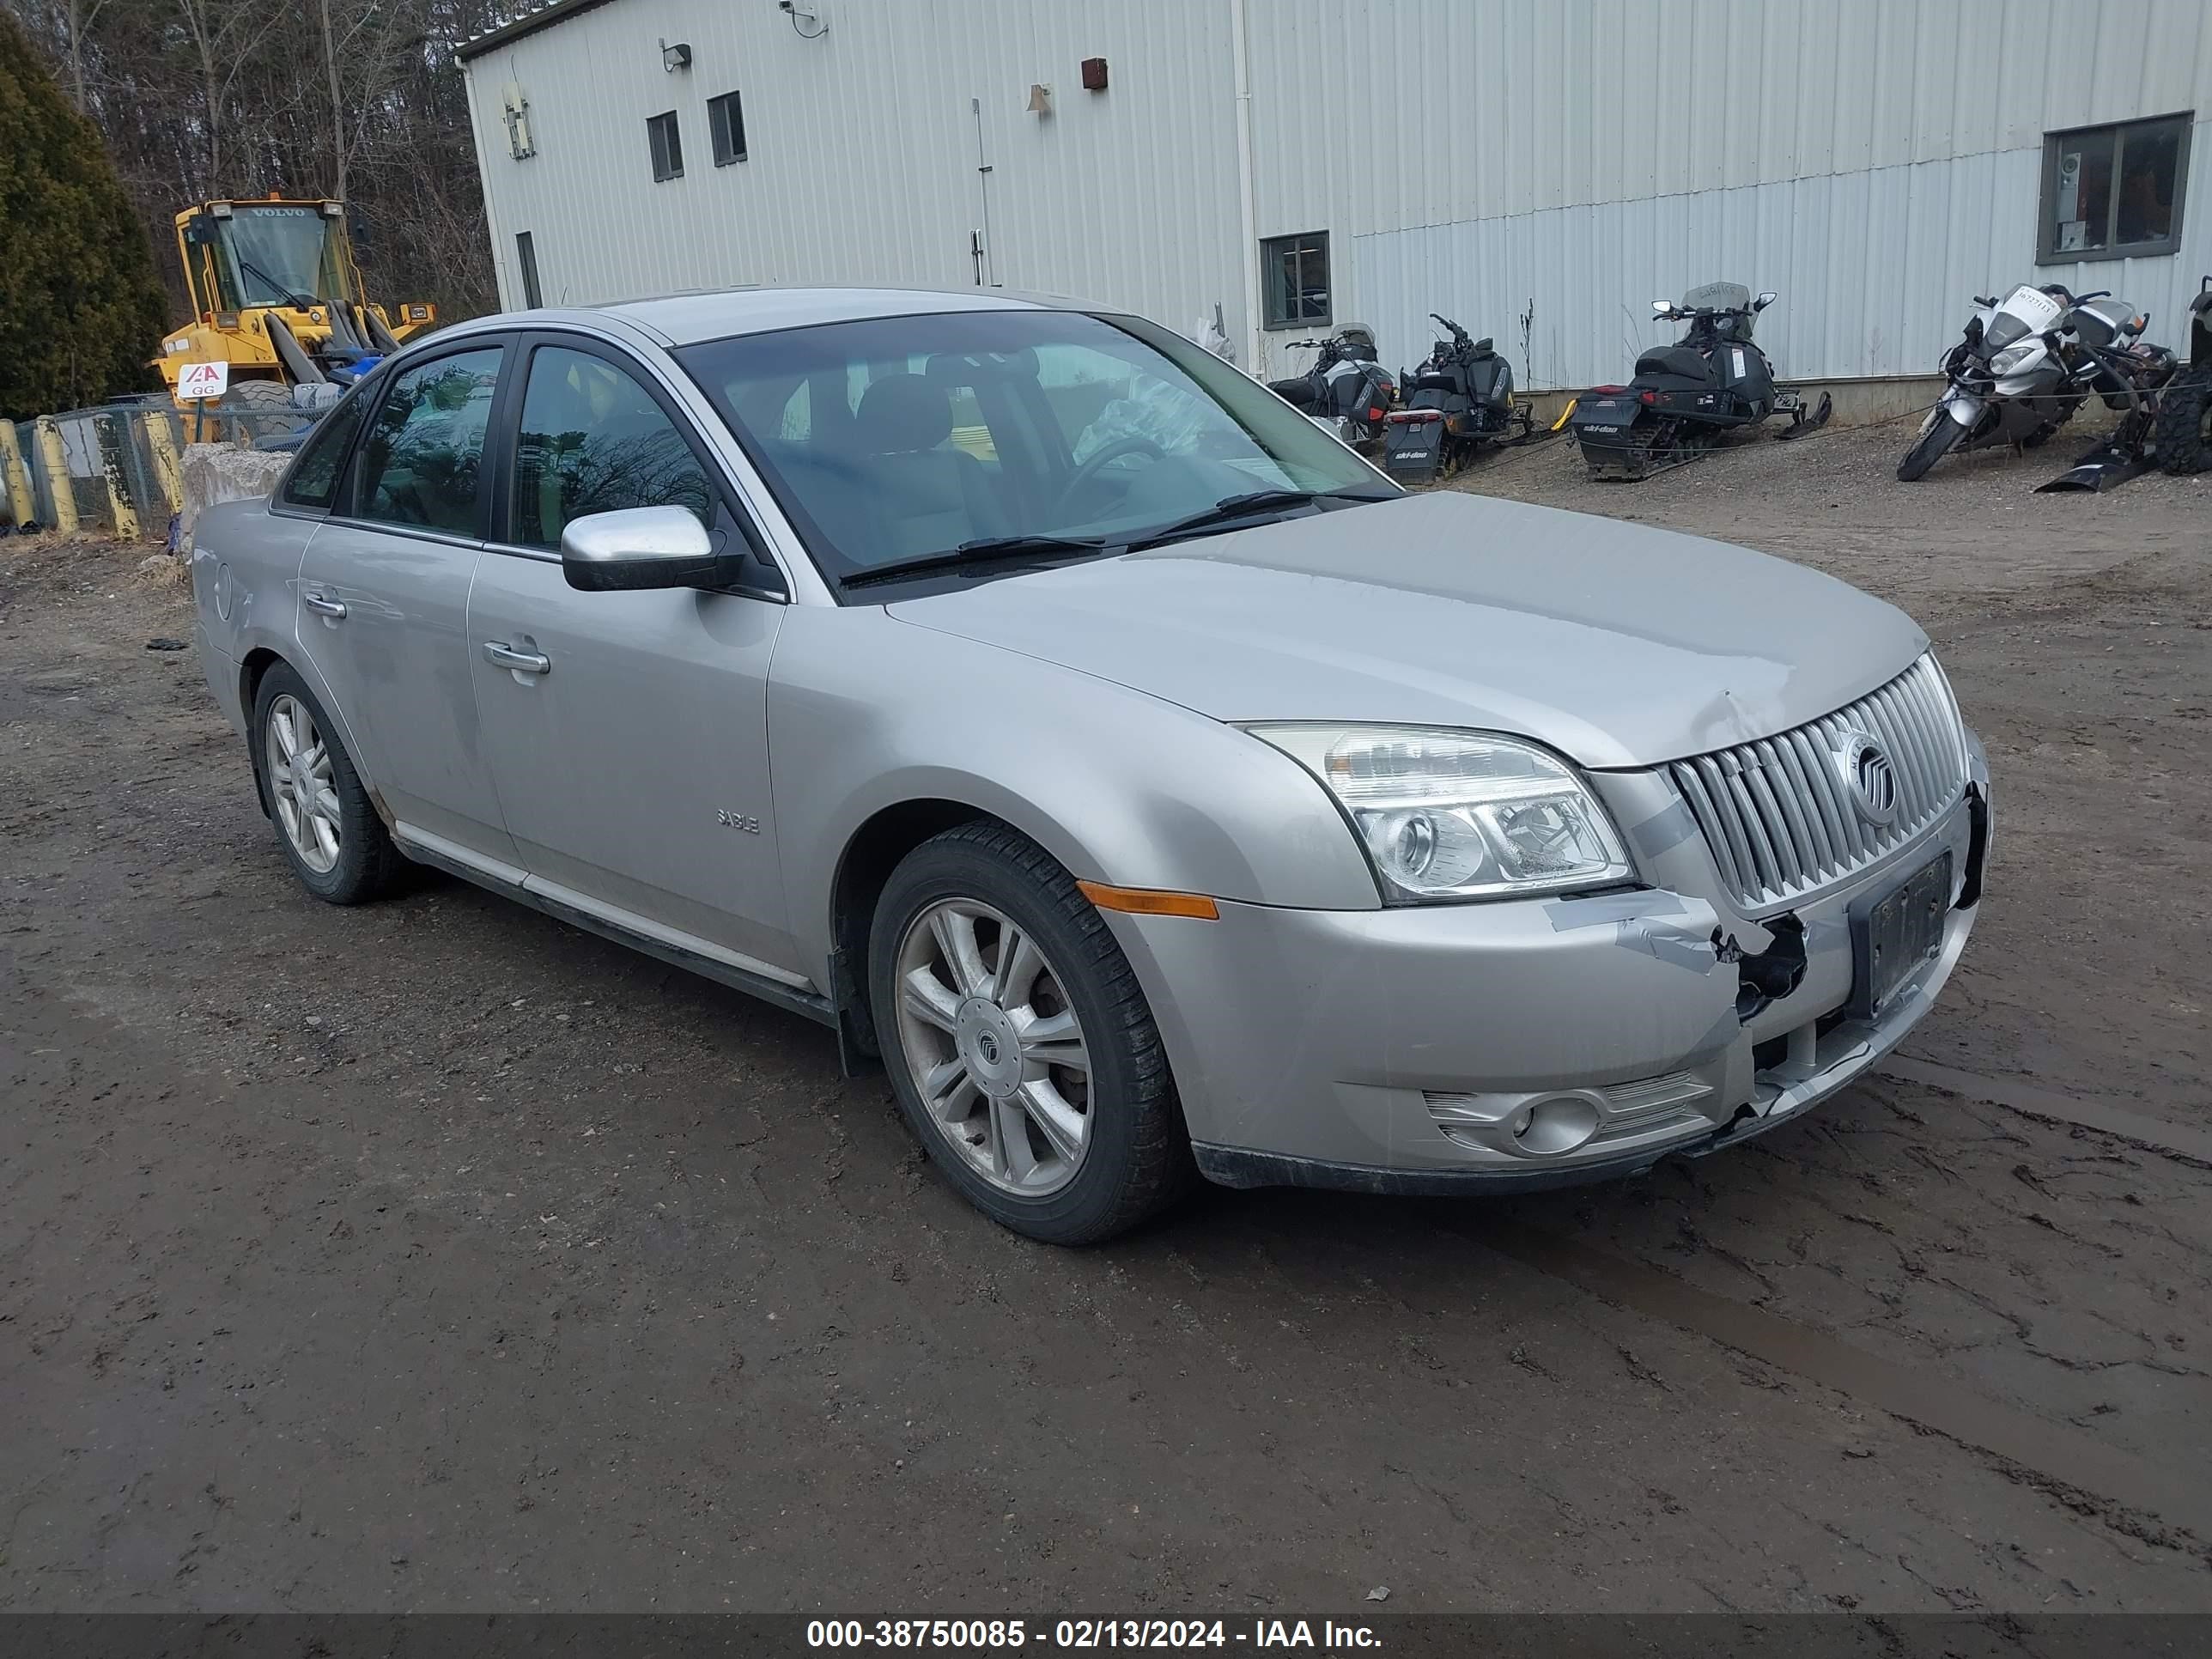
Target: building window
667 148
1294 279
726 121
525 257
2114 193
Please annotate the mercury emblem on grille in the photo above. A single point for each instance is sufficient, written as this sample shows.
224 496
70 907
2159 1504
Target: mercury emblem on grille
1868 777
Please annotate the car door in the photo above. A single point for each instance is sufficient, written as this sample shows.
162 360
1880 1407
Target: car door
384 596
628 731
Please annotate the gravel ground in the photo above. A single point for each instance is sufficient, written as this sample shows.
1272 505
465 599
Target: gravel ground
435 1255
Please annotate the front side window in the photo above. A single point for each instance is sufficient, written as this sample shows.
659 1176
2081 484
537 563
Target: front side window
593 441
667 145
2114 193
313 482
423 460
899 438
1294 280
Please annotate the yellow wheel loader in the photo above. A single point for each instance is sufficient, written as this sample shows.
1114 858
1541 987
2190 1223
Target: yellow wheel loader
277 297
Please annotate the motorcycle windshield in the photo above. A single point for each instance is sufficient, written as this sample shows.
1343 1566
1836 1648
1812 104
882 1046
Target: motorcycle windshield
2026 310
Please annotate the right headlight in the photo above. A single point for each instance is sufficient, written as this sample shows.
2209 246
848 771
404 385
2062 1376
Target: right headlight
2011 358
1459 815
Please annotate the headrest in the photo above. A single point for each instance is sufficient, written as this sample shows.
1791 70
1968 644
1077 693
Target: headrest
903 412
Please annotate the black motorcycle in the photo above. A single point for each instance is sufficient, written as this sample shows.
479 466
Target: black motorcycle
1459 399
1687 397
1346 393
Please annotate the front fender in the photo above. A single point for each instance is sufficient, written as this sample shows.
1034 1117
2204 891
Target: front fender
867 712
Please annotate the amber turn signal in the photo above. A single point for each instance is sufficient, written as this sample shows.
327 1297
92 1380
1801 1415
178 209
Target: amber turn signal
1150 900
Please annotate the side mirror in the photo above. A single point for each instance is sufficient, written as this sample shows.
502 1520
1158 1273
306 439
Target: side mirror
1662 307
1765 300
645 547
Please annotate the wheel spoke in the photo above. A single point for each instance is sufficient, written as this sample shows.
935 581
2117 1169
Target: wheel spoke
1019 964
955 934
326 837
1060 1123
280 721
926 999
326 803
1011 1155
949 1091
1054 1040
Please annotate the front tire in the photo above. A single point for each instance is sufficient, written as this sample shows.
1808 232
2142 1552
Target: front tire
1018 1043
337 846
1937 435
2184 434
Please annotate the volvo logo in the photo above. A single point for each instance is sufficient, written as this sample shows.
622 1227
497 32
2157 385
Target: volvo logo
1868 777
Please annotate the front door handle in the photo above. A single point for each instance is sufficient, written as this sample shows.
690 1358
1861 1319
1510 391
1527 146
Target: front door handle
324 606
500 654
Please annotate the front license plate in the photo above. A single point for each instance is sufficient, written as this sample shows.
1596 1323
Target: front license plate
1894 937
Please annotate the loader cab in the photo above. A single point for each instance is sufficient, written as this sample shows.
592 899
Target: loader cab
239 256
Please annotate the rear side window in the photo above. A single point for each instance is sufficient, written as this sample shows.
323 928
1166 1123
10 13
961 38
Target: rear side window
593 441
422 462
314 480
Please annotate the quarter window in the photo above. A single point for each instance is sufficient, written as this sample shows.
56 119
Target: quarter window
314 480
423 460
667 148
1294 279
2114 193
593 441
726 125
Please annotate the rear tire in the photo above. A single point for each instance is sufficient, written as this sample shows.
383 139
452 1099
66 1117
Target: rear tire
1935 442
337 845
1050 1104
2183 431
262 394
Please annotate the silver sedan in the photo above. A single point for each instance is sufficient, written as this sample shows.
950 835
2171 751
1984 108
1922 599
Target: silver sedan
1150 787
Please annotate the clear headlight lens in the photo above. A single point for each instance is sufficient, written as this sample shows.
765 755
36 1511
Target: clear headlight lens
1453 815
2006 360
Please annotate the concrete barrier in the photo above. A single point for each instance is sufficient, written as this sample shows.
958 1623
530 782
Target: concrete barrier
216 472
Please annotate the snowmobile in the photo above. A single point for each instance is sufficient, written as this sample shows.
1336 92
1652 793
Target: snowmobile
1346 393
1459 400
1687 397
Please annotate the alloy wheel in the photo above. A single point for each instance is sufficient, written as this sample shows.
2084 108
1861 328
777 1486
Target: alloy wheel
301 784
994 1046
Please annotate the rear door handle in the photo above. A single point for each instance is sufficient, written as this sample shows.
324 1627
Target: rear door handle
500 654
323 604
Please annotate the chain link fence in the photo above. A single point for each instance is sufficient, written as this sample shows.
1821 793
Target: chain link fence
117 469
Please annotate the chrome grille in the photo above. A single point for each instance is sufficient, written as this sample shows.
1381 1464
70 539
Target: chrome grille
1780 816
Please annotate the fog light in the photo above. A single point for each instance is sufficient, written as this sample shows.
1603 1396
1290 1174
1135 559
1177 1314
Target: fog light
1555 1124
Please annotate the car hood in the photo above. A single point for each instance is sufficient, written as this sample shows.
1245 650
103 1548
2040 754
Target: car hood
1617 644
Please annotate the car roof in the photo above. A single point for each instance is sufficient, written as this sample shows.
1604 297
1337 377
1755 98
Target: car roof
684 318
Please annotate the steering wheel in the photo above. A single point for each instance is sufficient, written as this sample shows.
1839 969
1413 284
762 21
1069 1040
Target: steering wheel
1111 452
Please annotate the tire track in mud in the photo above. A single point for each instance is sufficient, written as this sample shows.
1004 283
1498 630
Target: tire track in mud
2045 1452
2179 1140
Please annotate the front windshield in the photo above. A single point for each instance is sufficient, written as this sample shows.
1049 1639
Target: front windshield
276 252
899 438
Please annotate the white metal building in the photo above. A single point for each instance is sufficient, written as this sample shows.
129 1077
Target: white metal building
1295 163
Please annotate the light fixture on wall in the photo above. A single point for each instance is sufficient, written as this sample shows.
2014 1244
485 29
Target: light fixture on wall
1040 100
675 57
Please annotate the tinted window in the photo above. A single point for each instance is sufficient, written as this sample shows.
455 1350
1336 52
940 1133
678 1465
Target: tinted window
314 479
593 441
424 455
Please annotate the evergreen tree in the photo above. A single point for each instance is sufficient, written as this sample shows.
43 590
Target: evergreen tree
81 312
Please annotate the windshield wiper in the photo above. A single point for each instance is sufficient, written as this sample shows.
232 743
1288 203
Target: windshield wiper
987 552
1230 508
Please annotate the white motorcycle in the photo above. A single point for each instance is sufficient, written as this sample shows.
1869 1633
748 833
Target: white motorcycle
2014 378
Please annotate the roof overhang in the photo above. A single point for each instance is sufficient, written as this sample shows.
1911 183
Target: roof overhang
507 34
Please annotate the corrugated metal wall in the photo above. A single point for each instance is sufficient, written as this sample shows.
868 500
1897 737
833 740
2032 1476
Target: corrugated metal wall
1876 162
863 151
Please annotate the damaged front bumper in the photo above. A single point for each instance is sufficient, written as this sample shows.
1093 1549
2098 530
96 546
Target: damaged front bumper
1449 1048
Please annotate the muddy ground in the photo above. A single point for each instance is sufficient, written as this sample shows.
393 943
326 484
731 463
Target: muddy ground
433 1254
